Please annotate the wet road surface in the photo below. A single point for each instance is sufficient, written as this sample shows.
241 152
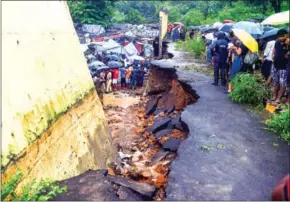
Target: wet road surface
238 162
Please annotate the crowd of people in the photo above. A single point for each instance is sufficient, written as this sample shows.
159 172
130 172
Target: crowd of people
176 32
230 56
130 76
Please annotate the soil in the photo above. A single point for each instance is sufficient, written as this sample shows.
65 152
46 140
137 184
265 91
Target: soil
129 125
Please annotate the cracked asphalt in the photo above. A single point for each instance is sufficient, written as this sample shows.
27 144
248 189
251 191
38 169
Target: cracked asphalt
241 164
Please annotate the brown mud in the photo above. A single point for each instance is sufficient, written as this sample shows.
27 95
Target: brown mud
138 148
146 128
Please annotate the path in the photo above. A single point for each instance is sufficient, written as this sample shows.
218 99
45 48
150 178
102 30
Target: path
247 168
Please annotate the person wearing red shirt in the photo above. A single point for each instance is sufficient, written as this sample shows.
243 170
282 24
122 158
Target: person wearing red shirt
115 73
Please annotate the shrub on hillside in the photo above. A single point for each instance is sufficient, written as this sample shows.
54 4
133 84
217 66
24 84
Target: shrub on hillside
33 191
194 46
280 124
248 89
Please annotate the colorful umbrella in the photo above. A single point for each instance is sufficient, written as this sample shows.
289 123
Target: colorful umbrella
246 39
277 19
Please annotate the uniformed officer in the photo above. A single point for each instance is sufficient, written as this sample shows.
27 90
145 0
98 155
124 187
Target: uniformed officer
220 55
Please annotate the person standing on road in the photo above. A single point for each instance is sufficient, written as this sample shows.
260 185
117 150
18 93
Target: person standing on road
279 72
220 52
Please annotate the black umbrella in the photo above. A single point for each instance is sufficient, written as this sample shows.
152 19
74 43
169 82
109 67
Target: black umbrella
226 28
271 33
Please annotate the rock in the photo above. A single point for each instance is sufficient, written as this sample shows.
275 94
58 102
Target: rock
158 111
89 186
177 123
171 109
151 106
171 145
163 133
159 125
142 188
146 174
127 194
158 157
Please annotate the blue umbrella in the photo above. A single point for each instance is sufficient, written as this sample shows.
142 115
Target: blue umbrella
250 27
114 64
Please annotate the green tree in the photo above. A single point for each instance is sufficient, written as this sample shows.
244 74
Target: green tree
91 12
134 17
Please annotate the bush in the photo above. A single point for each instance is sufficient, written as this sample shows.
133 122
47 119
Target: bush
194 46
248 89
280 124
34 191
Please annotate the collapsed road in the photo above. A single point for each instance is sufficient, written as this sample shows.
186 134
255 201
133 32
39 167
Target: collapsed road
147 129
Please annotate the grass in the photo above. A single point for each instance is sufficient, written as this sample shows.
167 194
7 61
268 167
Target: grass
195 46
33 191
280 124
249 89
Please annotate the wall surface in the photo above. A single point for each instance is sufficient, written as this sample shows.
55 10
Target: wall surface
46 130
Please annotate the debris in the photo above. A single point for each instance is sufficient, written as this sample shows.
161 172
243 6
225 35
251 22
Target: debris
206 148
127 194
275 145
220 146
163 133
158 157
142 188
171 145
159 125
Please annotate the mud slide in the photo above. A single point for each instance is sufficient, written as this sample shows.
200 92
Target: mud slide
147 130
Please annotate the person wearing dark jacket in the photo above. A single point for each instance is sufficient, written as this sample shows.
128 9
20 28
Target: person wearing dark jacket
191 34
220 55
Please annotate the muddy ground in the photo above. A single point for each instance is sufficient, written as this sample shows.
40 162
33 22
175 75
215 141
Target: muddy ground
147 130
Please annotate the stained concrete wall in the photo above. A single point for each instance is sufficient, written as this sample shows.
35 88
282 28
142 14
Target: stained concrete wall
44 74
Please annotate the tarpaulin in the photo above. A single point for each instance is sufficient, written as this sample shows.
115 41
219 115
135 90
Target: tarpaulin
139 47
131 49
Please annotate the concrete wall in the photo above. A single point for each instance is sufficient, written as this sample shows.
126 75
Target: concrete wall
44 74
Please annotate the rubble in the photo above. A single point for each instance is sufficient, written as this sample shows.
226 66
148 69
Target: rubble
171 145
147 134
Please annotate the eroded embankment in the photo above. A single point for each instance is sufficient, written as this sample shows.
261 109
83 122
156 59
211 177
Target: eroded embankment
147 131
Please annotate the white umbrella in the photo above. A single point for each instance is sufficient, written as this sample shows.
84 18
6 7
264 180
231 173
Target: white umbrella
209 36
217 24
277 19
135 57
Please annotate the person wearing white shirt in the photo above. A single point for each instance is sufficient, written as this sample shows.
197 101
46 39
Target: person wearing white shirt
268 59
